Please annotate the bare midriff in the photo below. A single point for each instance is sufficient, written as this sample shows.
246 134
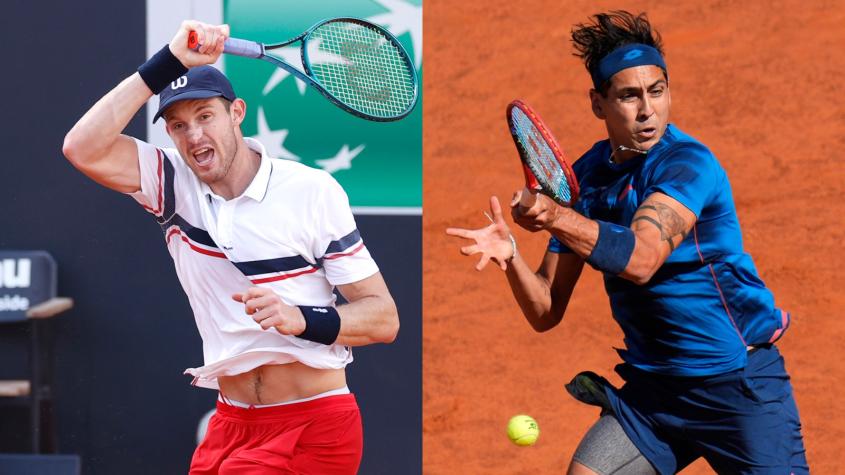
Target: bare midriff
270 384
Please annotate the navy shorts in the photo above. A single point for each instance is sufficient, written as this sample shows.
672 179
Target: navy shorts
741 422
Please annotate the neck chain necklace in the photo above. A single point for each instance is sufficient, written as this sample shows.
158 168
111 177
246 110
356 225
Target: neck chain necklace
623 148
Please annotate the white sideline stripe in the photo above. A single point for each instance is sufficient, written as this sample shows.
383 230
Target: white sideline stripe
387 210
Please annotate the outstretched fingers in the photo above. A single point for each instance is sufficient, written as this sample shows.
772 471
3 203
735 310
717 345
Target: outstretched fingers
490 241
470 250
461 233
496 209
482 263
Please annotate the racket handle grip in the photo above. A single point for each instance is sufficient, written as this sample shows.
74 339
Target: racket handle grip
246 48
235 46
527 198
193 41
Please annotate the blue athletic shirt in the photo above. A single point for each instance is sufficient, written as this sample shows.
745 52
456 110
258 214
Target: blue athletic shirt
701 309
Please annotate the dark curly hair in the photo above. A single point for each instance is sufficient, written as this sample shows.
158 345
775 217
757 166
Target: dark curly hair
608 31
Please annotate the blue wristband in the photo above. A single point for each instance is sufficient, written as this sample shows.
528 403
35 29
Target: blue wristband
322 324
162 69
613 248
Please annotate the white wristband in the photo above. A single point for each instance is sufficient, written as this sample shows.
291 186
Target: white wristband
513 241
513 247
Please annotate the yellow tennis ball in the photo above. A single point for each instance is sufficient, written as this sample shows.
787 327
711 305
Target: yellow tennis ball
523 430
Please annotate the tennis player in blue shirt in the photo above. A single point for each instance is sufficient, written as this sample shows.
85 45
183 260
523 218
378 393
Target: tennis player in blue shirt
656 216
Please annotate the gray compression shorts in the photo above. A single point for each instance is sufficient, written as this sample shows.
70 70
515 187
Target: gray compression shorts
606 450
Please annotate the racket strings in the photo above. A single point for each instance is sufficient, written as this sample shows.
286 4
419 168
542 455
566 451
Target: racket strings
539 156
372 74
370 77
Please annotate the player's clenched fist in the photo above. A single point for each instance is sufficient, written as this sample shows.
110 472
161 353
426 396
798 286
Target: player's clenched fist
209 37
541 215
269 311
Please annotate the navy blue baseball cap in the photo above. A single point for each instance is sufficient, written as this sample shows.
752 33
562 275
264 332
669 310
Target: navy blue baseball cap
201 82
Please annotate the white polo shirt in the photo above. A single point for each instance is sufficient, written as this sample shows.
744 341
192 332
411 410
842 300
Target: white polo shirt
291 230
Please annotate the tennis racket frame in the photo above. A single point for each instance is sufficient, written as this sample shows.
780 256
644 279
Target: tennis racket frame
257 50
531 181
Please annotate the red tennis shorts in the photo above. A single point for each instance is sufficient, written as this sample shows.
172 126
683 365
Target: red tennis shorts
322 436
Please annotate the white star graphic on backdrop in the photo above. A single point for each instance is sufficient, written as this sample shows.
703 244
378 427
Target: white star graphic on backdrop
273 140
291 55
402 18
341 161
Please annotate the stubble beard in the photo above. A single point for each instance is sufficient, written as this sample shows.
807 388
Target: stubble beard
225 164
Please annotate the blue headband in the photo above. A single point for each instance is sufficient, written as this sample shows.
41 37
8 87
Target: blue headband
625 57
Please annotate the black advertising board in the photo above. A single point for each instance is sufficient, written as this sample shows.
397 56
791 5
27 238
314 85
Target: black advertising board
27 278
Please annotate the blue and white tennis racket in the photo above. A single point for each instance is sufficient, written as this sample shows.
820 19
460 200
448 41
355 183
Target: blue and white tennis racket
369 74
543 161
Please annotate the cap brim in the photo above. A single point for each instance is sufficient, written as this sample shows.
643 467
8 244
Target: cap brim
195 94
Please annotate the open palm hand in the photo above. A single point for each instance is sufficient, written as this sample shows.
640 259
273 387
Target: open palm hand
493 242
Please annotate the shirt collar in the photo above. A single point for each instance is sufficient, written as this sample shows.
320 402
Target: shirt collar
258 187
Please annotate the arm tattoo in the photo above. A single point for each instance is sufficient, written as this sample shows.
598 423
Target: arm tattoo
668 222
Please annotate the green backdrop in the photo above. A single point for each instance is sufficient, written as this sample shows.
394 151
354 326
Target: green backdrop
378 163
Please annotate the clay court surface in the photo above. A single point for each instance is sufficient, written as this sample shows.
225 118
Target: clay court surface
759 82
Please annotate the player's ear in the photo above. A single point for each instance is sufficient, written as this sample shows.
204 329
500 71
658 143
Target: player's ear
596 104
237 111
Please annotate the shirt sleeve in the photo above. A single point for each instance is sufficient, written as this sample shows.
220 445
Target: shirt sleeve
156 171
338 244
689 175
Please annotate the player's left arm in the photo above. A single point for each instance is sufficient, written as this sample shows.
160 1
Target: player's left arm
370 316
679 188
636 253
660 224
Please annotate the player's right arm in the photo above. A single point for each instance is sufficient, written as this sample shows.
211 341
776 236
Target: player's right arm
542 295
96 145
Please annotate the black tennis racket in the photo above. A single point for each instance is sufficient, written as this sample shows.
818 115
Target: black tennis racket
543 161
370 75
